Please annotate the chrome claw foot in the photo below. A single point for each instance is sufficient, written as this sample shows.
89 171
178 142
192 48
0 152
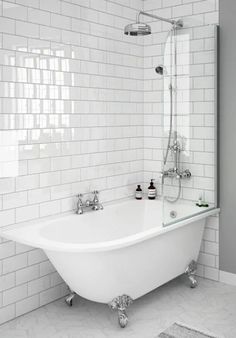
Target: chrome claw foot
190 272
193 282
121 303
122 318
69 298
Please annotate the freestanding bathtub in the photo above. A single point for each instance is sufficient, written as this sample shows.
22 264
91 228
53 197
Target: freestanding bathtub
118 254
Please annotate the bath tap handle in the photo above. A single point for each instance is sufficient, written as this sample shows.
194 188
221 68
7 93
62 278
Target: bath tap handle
80 196
96 203
79 209
95 199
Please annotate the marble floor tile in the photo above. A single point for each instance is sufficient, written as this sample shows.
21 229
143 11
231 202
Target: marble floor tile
210 307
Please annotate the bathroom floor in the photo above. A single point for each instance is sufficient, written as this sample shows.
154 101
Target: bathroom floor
211 307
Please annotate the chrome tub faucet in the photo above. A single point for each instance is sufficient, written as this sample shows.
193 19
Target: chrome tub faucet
80 205
89 204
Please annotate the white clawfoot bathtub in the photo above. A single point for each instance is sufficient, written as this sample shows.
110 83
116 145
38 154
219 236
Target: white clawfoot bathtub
121 250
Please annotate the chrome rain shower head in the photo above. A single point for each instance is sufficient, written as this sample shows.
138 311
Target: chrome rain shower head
137 29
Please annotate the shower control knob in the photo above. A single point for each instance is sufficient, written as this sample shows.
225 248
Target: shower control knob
187 173
159 70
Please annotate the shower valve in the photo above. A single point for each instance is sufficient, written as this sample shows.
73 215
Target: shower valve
176 173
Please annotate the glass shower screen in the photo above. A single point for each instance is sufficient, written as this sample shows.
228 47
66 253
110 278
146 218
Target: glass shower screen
189 175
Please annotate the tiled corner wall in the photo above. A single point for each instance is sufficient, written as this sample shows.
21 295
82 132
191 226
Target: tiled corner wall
71 100
198 16
208 260
195 94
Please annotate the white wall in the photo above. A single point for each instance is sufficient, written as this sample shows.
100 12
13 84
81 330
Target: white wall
196 107
196 93
71 96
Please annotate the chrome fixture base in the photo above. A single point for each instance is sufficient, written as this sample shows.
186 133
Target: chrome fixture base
69 298
173 214
121 303
179 24
91 204
190 272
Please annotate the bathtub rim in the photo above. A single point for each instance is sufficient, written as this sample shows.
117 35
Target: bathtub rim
12 232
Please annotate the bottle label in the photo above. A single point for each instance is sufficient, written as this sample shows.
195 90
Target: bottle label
139 194
152 193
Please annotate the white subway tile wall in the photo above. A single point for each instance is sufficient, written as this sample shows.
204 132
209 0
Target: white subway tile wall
80 110
71 100
195 107
208 260
195 98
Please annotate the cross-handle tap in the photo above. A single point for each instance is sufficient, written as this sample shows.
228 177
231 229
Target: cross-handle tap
93 204
96 205
80 205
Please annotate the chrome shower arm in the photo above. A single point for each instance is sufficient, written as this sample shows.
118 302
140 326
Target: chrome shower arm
178 23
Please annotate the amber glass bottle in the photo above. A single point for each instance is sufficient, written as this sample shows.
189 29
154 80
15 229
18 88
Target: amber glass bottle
151 191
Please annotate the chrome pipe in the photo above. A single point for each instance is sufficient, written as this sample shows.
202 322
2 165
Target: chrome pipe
178 23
